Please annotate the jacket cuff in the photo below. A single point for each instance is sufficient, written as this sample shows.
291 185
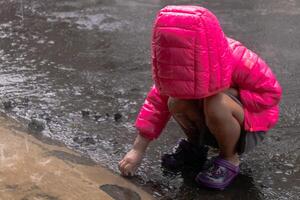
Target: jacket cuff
145 135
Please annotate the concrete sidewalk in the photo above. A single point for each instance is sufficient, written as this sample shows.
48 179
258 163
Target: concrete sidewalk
33 170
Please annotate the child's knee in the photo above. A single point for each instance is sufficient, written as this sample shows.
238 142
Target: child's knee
215 107
177 105
181 105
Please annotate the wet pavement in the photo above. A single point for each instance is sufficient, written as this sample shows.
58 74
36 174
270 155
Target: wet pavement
78 71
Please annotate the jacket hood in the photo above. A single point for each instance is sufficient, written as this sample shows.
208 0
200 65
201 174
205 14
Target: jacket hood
191 57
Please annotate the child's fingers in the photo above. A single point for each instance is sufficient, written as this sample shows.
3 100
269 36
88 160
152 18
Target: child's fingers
125 172
122 166
121 162
132 172
127 169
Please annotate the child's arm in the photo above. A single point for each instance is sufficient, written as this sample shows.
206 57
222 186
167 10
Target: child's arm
153 115
133 158
258 87
150 122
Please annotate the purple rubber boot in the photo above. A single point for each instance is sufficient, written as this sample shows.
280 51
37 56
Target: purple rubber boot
219 175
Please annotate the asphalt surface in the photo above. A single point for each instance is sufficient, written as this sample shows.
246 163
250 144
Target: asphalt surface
78 71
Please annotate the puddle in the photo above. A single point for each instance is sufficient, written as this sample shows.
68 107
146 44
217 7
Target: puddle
78 72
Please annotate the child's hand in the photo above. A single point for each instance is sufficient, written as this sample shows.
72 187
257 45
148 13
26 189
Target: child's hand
130 162
133 158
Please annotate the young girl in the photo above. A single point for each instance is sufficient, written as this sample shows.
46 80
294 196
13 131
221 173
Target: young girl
221 94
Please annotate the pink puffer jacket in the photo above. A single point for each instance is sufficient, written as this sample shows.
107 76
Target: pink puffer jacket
192 59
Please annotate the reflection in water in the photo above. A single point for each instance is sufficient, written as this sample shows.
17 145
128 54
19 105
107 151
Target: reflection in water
89 21
68 57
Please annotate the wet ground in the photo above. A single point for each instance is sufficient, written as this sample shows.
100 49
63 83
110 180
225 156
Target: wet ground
77 71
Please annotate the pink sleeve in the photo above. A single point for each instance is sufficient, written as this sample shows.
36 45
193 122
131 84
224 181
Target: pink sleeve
153 115
257 84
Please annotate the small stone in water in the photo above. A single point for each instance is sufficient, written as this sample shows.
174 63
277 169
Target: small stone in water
284 179
25 100
7 104
119 193
117 117
289 165
84 140
36 125
40 41
288 172
76 139
48 118
85 113
97 116
89 140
